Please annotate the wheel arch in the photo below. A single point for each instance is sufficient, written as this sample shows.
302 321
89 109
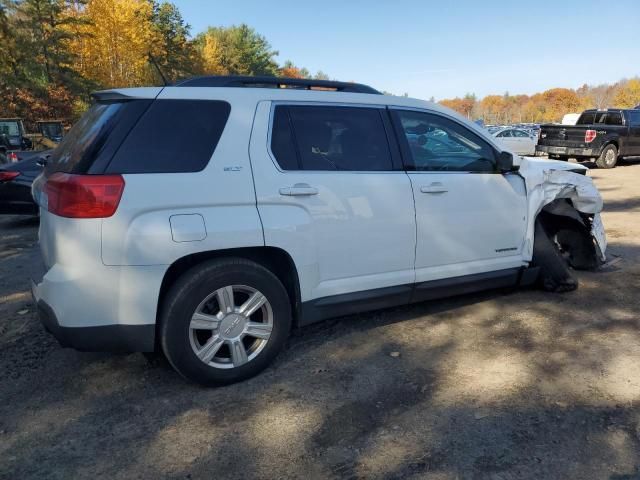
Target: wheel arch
611 141
277 260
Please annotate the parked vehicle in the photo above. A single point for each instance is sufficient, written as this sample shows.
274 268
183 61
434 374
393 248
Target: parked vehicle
12 129
218 213
517 140
15 186
601 135
51 129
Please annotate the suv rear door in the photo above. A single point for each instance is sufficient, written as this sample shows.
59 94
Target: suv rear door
470 217
332 193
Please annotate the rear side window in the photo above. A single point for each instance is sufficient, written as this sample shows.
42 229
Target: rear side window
586 118
613 118
172 136
95 137
330 138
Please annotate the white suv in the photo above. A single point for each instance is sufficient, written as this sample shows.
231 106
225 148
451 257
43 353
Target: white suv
208 218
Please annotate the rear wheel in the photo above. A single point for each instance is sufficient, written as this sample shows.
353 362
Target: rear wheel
608 158
224 321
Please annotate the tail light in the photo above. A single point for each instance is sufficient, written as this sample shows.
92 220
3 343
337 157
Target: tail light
12 157
8 176
83 196
589 136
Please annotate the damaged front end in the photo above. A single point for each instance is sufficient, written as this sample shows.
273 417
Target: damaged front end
567 205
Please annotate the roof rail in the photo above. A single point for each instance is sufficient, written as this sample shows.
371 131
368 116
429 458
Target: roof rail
276 82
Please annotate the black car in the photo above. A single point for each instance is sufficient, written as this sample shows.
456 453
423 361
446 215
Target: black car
15 185
601 135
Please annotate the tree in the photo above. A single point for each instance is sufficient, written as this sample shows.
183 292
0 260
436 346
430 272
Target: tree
115 42
289 70
464 106
46 24
558 102
177 57
629 95
236 50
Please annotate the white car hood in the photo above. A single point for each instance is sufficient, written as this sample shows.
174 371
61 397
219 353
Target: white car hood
548 180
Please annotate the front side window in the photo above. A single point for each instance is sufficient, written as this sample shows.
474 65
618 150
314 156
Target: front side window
520 134
330 138
436 143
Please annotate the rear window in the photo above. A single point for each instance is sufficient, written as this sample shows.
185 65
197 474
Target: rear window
586 118
91 142
172 136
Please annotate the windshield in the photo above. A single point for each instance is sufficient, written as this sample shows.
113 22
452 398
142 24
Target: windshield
10 128
51 129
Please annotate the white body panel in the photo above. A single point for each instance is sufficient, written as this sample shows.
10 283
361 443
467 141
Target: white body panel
470 223
357 233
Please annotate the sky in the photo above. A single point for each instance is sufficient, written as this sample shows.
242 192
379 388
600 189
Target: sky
446 48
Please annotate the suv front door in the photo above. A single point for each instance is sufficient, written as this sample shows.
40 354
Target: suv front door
331 192
471 219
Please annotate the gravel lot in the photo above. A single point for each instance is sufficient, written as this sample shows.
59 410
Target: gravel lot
498 385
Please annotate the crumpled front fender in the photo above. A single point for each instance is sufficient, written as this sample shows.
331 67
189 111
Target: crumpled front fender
547 181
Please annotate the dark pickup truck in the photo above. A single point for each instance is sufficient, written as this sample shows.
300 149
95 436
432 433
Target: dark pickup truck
603 135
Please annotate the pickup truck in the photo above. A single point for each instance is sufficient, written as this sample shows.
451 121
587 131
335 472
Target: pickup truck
603 135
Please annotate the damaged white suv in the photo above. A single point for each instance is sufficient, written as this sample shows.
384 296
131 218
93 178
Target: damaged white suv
206 219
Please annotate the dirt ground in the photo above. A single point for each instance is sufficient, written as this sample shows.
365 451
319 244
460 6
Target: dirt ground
498 385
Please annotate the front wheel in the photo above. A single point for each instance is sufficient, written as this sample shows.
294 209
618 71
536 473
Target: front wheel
608 158
224 321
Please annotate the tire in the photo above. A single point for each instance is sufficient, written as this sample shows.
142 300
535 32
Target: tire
579 247
219 346
608 158
563 158
554 270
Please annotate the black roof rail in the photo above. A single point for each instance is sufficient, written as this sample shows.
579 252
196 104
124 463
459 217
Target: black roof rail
276 82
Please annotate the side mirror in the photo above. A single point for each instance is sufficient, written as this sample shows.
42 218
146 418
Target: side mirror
506 162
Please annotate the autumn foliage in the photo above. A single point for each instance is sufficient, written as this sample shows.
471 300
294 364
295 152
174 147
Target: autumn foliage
53 53
548 106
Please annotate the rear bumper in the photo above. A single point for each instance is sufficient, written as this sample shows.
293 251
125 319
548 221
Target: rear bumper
568 151
107 338
77 327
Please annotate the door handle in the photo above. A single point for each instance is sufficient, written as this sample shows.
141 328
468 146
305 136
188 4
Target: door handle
435 187
299 189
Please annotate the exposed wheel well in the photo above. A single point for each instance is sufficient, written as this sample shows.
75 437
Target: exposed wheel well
574 232
275 259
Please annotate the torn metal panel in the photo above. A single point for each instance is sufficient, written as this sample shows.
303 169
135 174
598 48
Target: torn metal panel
549 180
